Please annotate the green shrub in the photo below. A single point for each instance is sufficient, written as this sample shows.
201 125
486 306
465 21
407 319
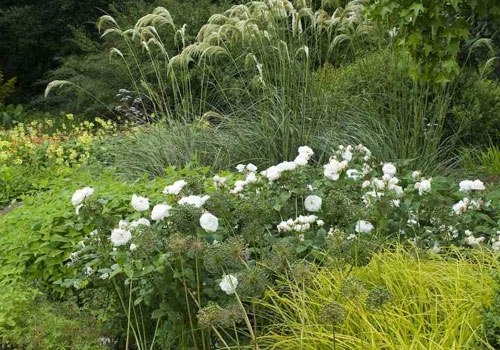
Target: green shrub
431 31
169 268
491 318
476 111
30 322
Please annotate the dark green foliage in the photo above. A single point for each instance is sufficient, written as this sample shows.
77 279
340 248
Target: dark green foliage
432 31
36 33
491 318
476 111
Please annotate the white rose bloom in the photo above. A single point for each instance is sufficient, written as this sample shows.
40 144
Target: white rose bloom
423 186
141 221
251 167
229 284
320 223
461 206
469 185
306 151
160 211
120 237
301 160
133 247
313 203
363 226
478 185
415 175
175 188
123 224
219 181
250 178
209 222
302 238
347 155
81 194
239 186
396 202
287 166
389 169
240 167
379 184
283 227
273 173
196 201
496 246
140 203
353 174
366 184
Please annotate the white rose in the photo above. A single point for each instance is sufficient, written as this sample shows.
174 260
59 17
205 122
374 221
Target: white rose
478 185
240 167
353 174
175 188
313 203
301 160
250 178
389 169
251 167
287 166
229 284
81 194
209 222
160 211
140 203
363 226
366 184
120 237
195 201
141 221
347 155
306 151
423 186
415 175
320 223
122 224
133 247
273 173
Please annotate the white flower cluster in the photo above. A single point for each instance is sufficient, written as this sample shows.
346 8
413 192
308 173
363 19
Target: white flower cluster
363 226
495 242
273 173
423 186
335 166
175 188
464 204
250 177
471 240
81 194
219 181
300 224
196 201
140 203
469 185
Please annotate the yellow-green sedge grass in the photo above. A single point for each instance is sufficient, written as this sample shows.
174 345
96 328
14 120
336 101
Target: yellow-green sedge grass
437 303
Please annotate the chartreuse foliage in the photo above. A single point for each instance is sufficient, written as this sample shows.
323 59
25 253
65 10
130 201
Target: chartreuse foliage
400 300
432 30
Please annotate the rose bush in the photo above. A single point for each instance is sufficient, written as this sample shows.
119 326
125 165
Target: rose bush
232 233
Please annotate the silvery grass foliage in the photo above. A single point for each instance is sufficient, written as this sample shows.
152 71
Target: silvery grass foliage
248 69
196 256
